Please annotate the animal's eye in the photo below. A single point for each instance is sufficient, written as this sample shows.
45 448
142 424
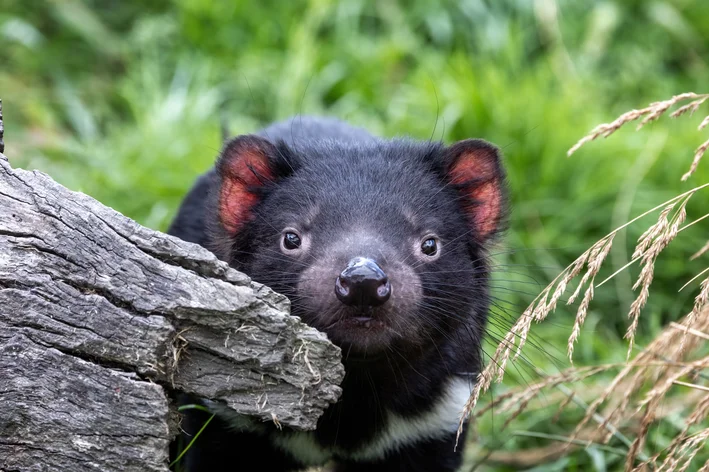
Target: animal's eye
291 241
429 246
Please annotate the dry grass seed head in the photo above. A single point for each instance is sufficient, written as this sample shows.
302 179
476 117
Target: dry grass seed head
593 258
579 320
701 300
685 452
537 311
651 404
597 256
512 399
700 308
637 444
704 123
690 107
705 467
697 157
662 348
650 245
699 414
651 112
590 256
653 231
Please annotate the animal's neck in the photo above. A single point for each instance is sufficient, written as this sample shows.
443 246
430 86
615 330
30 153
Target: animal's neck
393 373
405 387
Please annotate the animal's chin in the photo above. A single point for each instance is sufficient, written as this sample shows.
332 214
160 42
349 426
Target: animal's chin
361 337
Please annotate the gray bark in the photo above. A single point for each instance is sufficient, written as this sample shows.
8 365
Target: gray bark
101 319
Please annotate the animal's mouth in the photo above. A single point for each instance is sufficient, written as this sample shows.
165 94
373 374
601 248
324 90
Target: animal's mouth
363 318
360 334
357 323
364 322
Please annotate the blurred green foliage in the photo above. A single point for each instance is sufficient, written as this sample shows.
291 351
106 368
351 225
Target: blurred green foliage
123 100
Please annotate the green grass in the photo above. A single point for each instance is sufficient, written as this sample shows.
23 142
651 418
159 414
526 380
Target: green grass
124 100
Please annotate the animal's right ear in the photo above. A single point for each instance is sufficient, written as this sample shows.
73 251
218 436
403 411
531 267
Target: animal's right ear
246 165
475 169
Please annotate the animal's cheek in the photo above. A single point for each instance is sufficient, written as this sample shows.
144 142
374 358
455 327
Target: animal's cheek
407 291
316 301
406 311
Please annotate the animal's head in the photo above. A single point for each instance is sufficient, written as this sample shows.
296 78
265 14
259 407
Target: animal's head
381 245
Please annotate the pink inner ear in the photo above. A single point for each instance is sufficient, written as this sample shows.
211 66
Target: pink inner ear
245 171
479 165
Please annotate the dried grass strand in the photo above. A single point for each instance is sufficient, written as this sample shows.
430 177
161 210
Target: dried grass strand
697 157
651 113
700 252
704 123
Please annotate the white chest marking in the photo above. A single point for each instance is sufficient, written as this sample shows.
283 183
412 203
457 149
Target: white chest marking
443 418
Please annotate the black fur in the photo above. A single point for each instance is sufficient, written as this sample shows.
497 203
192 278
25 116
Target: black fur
344 181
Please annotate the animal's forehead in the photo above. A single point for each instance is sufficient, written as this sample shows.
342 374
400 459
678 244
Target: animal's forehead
397 151
398 168
384 183
375 186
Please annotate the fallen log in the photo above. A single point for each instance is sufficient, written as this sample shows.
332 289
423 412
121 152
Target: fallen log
102 321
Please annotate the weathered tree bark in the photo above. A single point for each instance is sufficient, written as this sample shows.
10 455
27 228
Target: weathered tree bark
102 319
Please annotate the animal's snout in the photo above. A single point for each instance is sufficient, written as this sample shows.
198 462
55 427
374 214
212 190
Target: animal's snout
363 283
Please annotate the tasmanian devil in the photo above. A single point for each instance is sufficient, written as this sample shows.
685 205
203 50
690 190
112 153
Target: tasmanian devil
381 244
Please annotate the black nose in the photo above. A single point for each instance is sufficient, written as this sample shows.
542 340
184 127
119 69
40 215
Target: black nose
362 283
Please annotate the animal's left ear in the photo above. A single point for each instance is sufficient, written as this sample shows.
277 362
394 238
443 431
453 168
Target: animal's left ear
475 169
